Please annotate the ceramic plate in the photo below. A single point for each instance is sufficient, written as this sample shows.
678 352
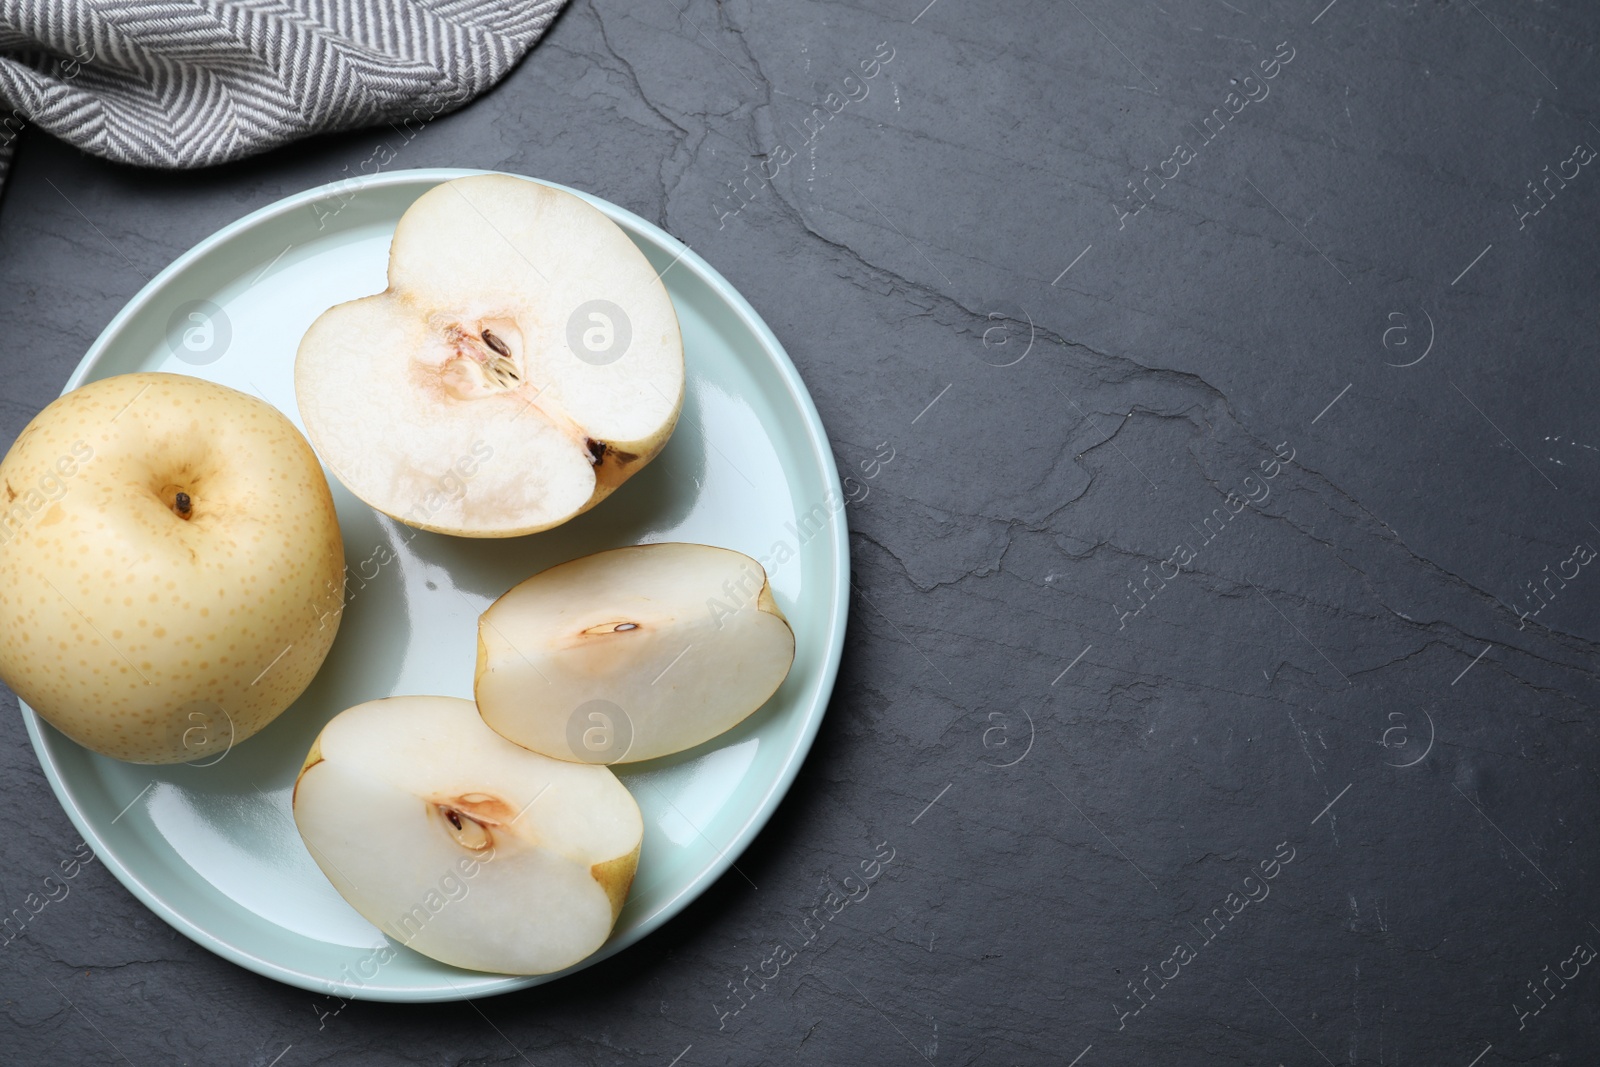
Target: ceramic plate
213 850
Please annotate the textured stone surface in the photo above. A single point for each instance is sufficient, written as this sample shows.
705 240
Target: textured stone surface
1362 600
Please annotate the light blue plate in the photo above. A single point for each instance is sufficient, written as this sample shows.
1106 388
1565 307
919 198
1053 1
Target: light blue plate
213 850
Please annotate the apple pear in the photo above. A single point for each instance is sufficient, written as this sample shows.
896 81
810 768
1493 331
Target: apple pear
633 653
461 845
170 566
524 361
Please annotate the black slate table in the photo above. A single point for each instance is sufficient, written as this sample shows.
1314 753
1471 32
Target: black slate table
1218 379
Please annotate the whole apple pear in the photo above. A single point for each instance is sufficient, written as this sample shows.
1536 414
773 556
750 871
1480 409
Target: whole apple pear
171 570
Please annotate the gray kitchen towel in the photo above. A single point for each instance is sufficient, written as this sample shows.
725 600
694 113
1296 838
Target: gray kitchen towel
164 83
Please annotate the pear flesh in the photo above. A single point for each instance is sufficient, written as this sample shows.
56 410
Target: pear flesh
633 653
524 362
461 845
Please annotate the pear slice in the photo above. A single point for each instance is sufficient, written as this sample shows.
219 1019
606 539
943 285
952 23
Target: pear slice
631 654
523 363
459 844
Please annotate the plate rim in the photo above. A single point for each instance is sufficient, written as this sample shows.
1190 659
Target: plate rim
838 553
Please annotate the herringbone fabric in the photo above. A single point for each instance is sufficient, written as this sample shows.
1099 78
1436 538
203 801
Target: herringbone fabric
164 83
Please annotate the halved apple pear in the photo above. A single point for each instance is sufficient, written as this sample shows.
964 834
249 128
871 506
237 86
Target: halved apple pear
523 363
461 845
631 654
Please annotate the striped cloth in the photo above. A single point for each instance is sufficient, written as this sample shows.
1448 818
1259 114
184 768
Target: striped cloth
163 83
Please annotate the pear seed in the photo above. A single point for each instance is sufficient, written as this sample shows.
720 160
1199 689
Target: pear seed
467 831
499 346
